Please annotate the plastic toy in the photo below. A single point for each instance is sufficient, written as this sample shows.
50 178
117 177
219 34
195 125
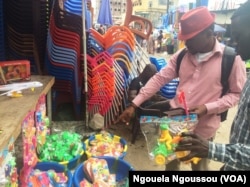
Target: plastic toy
180 154
182 99
164 150
14 178
14 71
38 178
15 88
60 178
165 136
85 183
105 144
97 170
8 171
61 147
29 148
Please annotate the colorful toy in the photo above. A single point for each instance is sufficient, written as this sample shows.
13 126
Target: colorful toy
98 172
182 99
16 88
8 171
105 144
29 148
57 177
42 122
61 147
85 183
181 154
14 71
38 178
164 150
165 136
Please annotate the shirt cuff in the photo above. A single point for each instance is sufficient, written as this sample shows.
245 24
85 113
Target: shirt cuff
217 152
138 100
211 108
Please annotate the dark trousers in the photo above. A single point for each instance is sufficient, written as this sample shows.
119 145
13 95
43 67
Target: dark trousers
160 105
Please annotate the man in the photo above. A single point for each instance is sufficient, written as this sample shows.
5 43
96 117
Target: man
199 78
138 82
151 44
101 30
234 155
159 41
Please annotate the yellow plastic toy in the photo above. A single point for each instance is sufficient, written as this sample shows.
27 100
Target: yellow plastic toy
166 137
181 154
165 148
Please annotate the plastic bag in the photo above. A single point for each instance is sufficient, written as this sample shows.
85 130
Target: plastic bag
162 135
97 122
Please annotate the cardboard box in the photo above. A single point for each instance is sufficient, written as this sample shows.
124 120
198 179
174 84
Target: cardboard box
14 71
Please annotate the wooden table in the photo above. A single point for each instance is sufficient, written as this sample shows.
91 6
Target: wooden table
14 110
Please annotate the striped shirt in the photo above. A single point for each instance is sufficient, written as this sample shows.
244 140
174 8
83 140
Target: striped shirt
236 154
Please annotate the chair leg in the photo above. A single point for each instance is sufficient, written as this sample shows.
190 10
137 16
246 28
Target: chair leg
135 130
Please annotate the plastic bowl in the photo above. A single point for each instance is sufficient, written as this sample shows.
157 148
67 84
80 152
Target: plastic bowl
45 166
98 136
71 164
116 166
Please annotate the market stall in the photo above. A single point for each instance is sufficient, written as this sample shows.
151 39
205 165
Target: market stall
14 110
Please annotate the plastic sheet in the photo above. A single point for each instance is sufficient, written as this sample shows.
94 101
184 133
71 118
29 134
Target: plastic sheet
162 135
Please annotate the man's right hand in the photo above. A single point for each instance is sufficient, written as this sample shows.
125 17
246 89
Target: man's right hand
126 116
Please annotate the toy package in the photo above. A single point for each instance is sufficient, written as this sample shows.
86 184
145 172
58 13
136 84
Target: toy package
14 71
163 134
8 170
105 144
98 173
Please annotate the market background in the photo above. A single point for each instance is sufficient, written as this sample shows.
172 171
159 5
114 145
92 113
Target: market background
137 153
26 31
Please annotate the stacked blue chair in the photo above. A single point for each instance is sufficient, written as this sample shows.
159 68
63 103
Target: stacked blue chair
2 47
158 62
94 47
75 7
41 15
26 24
169 90
63 58
20 38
